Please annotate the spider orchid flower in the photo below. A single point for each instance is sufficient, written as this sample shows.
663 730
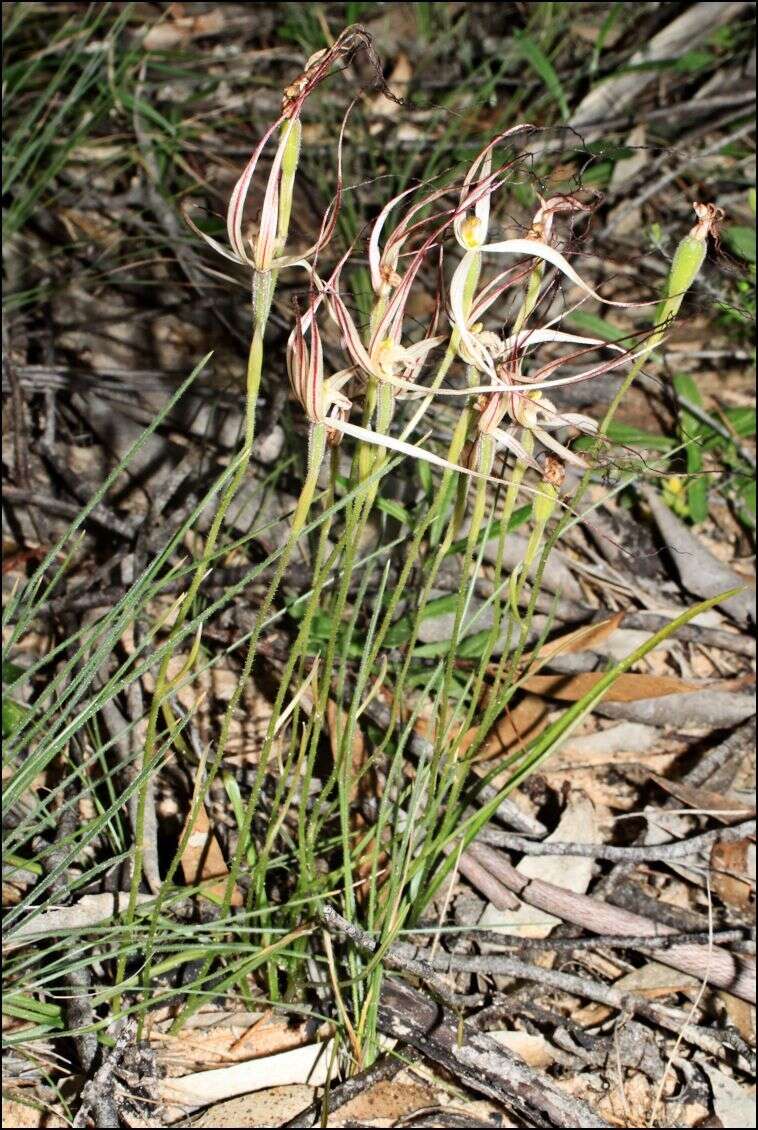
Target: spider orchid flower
322 399
471 227
537 414
265 252
326 405
383 261
535 245
520 398
542 224
385 358
352 39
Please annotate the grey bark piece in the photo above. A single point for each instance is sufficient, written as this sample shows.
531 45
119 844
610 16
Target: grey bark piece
117 432
557 577
691 27
478 1060
696 709
255 508
439 629
699 571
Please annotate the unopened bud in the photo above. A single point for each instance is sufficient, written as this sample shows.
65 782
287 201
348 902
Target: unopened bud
687 261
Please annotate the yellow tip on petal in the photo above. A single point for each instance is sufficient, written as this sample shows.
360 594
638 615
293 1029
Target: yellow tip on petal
470 232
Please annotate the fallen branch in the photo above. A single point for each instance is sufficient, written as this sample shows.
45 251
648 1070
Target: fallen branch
718 966
647 854
478 1061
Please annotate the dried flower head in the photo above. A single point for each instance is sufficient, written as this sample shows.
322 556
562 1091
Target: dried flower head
353 39
553 472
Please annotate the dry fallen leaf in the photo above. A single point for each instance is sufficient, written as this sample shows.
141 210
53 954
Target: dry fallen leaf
514 729
653 979
398 81
626 688
579 825
88 911
173 31
202 1049
203 859
272 1107
733 1102
384 1104
586 638
307 1065
533 1049
17 1113
705 800
730 878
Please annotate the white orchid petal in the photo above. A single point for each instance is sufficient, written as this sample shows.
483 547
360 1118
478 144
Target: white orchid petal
509 441
457 288
239 194
565 454
536 249
374 254
218 247
526 338
380 440
269 220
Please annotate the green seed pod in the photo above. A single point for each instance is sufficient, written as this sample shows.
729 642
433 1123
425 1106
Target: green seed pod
292 149
686 264
543 505
472 278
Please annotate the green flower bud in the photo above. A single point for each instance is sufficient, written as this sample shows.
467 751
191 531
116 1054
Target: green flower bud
687 261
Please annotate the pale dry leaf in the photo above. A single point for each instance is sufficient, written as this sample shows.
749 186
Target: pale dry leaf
625 738
398 82
170 33
700 571
626 688
587 638
579 825
730 878
88 911
514 729
307 1065
533 1049
17 1113
733 1102
203 859
383 1104
627 168
272 1107
656 980
702 799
